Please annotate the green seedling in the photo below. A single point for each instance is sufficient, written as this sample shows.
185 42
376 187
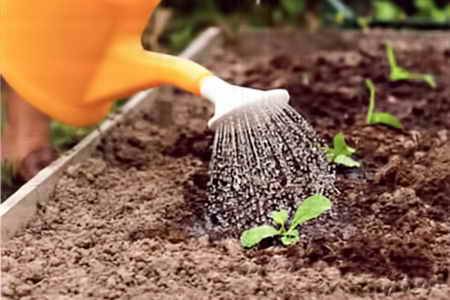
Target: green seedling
341 153
379 117
398 73
311 208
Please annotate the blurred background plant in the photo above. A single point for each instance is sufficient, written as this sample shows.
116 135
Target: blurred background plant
188 17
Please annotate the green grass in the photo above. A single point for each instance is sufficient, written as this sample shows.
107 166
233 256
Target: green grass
64 137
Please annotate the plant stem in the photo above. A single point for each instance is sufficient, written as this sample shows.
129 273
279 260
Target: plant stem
371 87
391 57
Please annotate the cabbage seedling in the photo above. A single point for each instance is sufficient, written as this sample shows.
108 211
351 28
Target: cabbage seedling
341 153
398 73
311 208
379 117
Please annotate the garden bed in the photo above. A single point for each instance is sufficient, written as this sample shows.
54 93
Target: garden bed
124 223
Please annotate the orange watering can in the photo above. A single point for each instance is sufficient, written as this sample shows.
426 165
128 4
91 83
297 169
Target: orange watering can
72 59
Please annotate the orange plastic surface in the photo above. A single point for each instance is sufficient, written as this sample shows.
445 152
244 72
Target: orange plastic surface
72 59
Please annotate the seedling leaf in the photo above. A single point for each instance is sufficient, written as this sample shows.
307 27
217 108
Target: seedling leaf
379 117
280 217
341 152
311 208
428 78
386 119
290 238
254 236
398 73
347 161
340 146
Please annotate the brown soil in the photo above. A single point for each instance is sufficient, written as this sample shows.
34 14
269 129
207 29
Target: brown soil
126 223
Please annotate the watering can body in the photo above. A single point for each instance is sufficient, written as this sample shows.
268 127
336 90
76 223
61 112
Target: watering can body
72 59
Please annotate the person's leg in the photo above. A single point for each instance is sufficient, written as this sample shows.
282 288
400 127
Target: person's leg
26 136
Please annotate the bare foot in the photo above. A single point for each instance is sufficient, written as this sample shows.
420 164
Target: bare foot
26 138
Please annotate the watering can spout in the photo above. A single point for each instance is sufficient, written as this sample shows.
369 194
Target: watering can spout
128 68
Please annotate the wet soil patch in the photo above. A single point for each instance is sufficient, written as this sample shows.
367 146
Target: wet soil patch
127 222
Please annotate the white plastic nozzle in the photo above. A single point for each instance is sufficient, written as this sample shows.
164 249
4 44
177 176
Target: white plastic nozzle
229 99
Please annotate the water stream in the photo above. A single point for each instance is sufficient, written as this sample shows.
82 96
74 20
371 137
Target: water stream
265 158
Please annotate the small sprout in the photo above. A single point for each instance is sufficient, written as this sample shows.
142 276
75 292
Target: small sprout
311 208
398 73
379 117
341 153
